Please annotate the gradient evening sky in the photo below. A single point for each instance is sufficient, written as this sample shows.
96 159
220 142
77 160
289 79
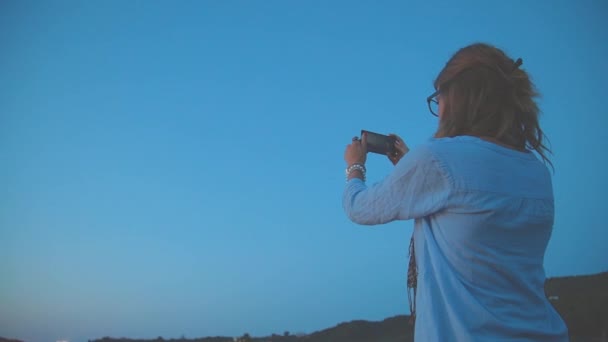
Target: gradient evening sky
176 168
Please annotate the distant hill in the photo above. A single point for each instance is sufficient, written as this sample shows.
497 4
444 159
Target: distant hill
2 339
582 301
394 329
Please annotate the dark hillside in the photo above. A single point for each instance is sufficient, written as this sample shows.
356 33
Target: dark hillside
582 301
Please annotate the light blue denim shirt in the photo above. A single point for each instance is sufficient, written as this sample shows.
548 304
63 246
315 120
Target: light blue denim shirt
483 217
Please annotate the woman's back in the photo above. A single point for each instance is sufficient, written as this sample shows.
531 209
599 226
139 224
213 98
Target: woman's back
480 258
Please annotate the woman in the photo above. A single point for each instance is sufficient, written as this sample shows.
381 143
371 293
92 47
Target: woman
482 203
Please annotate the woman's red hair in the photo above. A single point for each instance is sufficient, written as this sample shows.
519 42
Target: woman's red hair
486 94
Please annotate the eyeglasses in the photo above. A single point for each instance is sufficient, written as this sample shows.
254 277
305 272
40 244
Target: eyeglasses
433 103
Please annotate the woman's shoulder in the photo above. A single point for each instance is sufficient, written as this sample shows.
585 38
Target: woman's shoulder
466 146
476 164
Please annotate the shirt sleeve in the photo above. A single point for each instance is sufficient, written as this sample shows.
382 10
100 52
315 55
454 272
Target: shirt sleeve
417 187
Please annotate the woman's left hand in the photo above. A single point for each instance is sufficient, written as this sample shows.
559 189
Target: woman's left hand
401 149
356 151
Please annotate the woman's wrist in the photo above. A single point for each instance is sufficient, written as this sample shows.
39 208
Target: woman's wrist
355 174
356 170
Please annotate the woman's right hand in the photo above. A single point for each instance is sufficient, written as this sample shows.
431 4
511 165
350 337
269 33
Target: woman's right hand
400 149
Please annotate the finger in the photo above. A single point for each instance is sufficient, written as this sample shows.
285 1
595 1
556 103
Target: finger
397 138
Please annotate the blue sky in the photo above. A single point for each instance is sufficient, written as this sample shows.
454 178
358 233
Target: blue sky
176 168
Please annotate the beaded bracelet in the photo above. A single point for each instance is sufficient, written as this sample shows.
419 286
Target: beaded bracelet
358 167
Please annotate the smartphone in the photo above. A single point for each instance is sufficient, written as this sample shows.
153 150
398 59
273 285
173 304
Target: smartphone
380 143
